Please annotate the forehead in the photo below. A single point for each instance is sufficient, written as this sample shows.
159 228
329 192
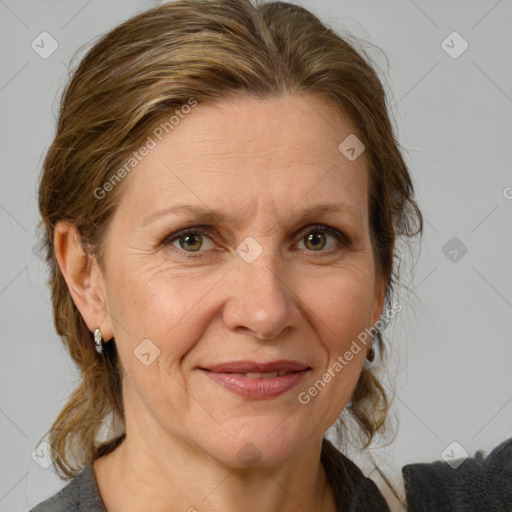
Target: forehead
246 151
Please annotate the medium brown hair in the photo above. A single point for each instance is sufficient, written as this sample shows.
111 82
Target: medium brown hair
142 71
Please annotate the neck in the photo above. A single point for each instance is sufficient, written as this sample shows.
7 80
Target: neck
184 477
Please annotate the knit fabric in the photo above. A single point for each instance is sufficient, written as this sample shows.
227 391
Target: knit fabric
478 485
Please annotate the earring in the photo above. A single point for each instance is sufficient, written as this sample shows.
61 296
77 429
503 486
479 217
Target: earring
98 340
370 354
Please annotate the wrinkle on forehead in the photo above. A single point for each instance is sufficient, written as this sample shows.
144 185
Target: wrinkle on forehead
272 155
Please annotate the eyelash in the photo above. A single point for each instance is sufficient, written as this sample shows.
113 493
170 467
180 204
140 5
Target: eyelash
204 230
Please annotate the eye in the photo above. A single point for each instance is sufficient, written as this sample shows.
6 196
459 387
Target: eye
315 238
189 240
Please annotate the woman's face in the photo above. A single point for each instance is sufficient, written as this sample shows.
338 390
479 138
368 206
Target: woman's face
266 275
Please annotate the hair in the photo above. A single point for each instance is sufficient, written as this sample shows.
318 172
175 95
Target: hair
137 75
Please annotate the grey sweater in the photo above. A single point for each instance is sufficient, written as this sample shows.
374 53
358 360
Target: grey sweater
478 484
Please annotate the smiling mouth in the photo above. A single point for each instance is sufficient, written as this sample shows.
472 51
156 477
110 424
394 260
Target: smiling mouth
259 375
257 380
245 366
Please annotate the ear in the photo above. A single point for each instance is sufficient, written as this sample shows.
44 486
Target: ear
83 277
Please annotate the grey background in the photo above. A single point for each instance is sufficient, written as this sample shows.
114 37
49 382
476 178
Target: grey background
451 349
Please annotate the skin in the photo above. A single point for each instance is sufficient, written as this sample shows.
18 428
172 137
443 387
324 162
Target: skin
263 162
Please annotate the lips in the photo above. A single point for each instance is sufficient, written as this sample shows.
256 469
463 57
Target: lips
254 367
254 380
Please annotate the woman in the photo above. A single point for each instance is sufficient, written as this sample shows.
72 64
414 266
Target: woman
221 204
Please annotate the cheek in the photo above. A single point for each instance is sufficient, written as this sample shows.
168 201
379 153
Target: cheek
344 305
329 390
343 311
163 306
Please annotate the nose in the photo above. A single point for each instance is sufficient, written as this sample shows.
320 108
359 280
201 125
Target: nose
261 302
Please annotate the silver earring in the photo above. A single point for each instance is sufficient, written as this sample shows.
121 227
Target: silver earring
98 340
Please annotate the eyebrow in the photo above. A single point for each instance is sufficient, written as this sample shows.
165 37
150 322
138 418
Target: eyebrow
206 215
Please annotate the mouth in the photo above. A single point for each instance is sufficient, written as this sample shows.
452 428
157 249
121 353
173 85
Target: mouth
254 380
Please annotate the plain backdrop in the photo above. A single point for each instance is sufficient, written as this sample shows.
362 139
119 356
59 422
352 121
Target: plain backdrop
451 348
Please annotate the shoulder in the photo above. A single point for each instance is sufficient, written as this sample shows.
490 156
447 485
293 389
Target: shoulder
476 483
81 494
349 484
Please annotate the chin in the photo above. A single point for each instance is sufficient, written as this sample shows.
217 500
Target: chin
260 443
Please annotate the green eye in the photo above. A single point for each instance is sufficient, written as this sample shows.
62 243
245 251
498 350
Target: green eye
315 239
191 242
